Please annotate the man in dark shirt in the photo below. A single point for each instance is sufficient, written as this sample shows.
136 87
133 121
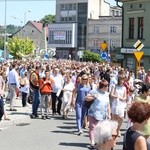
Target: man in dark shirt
34 85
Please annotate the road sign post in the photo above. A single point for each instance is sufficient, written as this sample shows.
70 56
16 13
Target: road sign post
104 46
138 55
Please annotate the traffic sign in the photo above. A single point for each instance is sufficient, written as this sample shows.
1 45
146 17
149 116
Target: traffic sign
104 46
138 55
46 56
104 55
138 45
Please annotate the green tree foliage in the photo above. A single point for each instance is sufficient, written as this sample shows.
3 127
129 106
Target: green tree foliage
90 56
1 43
10 29
20 48
48 19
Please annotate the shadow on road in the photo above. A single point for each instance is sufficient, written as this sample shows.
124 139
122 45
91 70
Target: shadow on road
74 144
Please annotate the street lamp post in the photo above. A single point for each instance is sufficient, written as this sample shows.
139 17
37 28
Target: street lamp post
109 38
120 37
5 34
20 22
25 14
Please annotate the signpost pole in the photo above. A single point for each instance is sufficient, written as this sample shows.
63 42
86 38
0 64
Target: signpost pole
138 55
137 67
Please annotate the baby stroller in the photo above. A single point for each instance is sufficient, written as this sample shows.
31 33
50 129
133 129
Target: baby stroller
30 97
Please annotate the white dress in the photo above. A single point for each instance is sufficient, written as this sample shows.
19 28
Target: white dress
118 106
67 94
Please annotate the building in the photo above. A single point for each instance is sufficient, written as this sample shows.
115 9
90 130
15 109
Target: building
35 31
135 27
106 28
71 22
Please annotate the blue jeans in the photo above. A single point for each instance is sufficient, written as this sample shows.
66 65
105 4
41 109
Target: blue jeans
80 115
36 101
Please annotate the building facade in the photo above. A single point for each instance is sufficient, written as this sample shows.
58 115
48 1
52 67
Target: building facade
106 28
34 31
135 27
73 15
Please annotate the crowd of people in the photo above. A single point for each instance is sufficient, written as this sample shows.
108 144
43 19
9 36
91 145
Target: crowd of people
100 94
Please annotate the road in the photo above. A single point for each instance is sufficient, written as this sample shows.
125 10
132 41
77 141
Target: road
54 134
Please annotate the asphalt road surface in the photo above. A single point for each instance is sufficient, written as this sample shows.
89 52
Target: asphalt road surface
51 134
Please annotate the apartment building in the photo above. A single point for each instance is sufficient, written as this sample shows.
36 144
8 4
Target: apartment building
106 28
69 34
136 27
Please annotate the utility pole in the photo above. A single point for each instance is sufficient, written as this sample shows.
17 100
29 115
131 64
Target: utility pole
5 34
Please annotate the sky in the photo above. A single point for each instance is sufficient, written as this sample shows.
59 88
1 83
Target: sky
20 11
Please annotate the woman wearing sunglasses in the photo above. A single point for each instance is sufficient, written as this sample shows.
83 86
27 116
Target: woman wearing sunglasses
80 92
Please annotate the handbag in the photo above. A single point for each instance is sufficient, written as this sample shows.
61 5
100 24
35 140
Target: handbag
87 104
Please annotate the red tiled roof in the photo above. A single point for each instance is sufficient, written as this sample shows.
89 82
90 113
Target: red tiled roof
39 26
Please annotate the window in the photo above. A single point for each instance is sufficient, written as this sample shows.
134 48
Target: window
140 27
96 29
95 42
64 6
63 19
131 6
113 12
140 5
73 18
117 13
72 6
112 44
131 28
112 29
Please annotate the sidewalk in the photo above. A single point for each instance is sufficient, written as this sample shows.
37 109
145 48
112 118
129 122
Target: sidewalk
21 116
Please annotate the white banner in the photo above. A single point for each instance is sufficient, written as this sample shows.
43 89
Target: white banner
59 35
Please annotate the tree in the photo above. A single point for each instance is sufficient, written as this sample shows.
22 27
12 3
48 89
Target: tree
48 19
1 43
20 47
10 29
90 56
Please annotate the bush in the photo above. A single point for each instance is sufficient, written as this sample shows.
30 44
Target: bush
90 56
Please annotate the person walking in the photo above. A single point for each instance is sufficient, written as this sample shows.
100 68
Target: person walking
118 94
24 83
99 109
139 113
45 86
2 87
105 135
80 92
67 95
145 98
14 85
34 84
57 92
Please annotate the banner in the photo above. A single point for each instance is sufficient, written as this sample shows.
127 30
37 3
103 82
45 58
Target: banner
59 35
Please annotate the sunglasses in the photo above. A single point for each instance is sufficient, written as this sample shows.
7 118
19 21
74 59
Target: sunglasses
84 79
114 136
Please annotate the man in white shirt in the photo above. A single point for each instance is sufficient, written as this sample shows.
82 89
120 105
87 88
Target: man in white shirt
13 82
57 91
